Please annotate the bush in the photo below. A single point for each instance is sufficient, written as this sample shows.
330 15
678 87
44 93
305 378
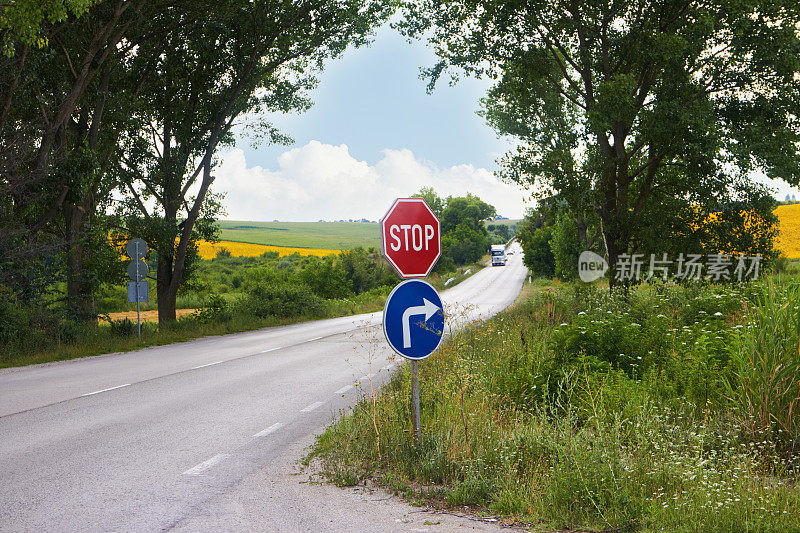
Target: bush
214 309
14 321
122 328
282 300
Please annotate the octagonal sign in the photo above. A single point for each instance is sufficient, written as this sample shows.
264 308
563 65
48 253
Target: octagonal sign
411 238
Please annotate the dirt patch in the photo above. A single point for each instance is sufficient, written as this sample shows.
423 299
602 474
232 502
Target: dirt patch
147 316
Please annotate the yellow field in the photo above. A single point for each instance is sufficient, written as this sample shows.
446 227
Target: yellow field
243 249
788 241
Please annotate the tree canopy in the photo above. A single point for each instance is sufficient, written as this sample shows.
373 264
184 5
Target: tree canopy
643 112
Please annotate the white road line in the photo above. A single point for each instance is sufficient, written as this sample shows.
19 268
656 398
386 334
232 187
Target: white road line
205 465
272 429
344 389
271 349
309 408
364 378
314 339
105 390
207 364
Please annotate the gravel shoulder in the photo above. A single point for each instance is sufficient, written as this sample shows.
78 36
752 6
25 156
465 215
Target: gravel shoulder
281 497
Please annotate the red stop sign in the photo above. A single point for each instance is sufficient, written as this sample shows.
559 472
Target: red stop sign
410 237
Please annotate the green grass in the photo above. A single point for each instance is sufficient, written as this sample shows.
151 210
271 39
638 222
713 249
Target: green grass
538 417
327 235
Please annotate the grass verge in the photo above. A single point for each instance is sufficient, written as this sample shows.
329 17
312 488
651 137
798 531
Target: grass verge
576 411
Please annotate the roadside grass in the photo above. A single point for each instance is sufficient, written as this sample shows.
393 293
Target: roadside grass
575 411
213 315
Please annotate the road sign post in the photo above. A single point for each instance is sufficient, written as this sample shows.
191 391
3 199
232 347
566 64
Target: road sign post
413 318
413 322
137 271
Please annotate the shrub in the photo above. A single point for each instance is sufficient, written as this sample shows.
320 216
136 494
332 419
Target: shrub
14 321
282 300
215 309
122 328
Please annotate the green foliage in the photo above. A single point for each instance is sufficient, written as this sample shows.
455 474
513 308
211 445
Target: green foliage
566 247
538 256
465 238
328 276
365 270
24 20
464 244
630 111
215 309
767 363
434 201
14 319
122 328
537 417
283 300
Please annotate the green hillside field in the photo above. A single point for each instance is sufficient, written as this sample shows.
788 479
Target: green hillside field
328 235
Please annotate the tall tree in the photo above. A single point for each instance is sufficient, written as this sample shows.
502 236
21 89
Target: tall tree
54 73
634 109
247 59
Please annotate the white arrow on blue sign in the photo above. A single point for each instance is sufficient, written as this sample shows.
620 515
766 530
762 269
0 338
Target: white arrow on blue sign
413 319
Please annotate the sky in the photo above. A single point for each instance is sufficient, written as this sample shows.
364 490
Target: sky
374 134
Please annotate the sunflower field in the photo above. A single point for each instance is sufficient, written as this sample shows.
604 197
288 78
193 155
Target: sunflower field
245 249
788 240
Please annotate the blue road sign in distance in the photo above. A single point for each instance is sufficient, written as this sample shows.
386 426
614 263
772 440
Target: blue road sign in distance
413 319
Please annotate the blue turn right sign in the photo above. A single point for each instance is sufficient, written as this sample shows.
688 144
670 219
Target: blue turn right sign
413 319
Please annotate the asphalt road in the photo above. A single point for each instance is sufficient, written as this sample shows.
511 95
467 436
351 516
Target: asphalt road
178 436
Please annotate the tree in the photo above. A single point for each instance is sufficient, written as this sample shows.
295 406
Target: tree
464 236
433 200
256 58
535 241
55 74
623 107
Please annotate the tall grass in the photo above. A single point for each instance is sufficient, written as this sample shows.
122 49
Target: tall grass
572 441
768 362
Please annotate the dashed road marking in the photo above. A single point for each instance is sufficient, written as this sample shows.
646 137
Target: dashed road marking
270 350
309 408
272 429
207 364
344 389
106 390
205 465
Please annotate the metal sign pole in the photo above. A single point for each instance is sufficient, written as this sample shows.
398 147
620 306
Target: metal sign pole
415 400
138 314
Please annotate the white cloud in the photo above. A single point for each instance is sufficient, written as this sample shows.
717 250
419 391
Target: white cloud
322 181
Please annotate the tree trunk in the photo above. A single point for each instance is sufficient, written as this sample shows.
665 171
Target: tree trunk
80 298
166 296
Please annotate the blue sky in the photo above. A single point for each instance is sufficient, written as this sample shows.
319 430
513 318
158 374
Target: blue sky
372 99
373 134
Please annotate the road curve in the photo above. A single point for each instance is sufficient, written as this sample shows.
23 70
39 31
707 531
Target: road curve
143 441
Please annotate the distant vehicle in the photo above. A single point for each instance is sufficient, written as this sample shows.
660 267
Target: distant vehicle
498 255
